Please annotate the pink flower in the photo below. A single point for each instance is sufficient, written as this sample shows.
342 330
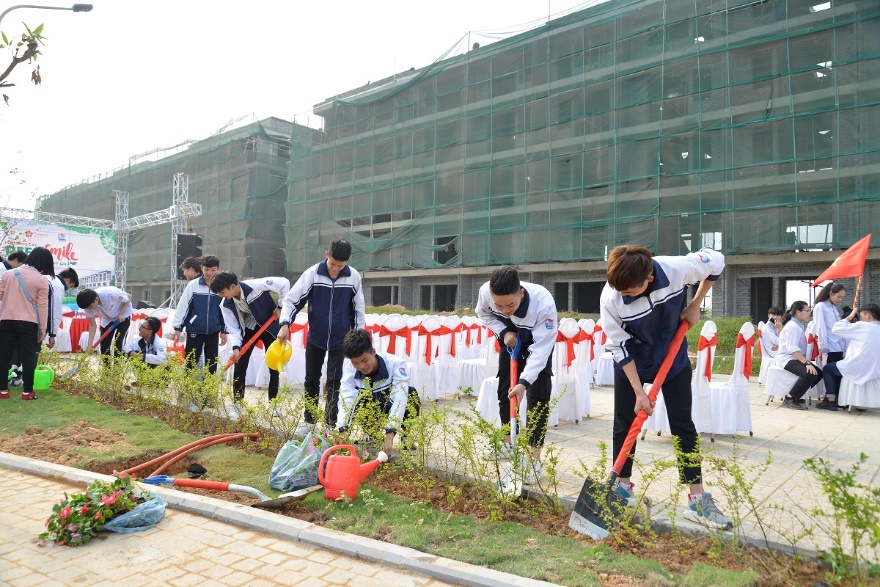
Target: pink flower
84 509
99 516
109 499
123 475
64 513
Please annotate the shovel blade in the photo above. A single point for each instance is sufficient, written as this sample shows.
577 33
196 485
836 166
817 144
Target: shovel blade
286 498
596 510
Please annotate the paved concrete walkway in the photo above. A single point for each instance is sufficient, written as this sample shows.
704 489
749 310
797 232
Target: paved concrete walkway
202 541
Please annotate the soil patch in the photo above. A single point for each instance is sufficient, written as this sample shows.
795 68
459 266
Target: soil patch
57 445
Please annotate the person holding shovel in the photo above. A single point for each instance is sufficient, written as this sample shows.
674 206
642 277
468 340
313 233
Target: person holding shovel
198 311
641 307
112 305
513 309
247 305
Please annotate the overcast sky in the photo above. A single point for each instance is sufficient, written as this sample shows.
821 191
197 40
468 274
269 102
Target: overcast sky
132 76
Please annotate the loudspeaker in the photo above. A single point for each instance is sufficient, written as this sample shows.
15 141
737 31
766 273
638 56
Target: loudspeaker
188 245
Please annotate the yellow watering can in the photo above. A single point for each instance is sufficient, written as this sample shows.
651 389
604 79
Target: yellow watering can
277 355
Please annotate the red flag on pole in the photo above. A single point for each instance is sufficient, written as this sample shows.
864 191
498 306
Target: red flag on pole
850 264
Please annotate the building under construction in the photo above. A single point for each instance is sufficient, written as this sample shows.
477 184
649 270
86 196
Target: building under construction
238 176
752 126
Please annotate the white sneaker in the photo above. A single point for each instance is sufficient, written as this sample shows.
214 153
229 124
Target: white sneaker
194 408
504 452
234 414
534 472
303 429
705 511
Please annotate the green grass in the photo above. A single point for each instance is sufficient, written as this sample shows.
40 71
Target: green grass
505 546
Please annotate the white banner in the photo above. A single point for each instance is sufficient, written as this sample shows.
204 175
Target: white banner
86 250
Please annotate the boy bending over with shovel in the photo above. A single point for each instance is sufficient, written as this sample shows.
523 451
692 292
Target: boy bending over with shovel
641 307
514 309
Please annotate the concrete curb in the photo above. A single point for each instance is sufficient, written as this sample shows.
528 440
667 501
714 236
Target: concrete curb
402 557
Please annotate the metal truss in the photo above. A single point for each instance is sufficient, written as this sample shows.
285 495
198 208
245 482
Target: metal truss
179 214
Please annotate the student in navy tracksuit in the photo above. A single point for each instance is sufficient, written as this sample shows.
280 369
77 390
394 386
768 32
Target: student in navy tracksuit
246 306
641 307
335 295
199 312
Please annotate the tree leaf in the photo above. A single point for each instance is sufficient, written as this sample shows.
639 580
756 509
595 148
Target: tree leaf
38 31
5 39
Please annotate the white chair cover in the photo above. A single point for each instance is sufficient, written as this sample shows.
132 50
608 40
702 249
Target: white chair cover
599 339
766 359
659 420
605 370
701 407
573 399
445 365
487 403
586 354
814 355
472 338
393 336
422 376
860 396
731 411
62 337
779 381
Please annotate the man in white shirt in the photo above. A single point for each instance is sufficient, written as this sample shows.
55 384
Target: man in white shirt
770 332
112 305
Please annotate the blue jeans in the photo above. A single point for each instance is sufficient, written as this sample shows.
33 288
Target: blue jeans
831 375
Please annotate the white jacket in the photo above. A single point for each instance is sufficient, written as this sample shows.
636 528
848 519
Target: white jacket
860 364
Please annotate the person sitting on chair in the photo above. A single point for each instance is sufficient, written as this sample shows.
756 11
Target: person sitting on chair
792 354
860 364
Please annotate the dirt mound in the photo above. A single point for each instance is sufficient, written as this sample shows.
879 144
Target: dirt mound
63 445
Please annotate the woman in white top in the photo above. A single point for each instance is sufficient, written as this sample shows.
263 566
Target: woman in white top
770 332
792 354
825 316
860 364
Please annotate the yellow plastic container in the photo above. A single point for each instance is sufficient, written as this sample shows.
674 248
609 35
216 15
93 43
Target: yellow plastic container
277 355
44 375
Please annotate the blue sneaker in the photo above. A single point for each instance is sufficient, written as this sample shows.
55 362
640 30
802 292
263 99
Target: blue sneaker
704 511
624 493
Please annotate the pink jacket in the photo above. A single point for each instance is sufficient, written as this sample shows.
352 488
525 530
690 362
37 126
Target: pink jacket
15 304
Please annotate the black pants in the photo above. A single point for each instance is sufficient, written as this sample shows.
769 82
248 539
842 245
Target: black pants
21 335
677 396
805 380
312 384
196 344
537 395
117 337
240 371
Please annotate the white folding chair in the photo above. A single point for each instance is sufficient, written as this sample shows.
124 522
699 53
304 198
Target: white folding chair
731 411
573 400
701 406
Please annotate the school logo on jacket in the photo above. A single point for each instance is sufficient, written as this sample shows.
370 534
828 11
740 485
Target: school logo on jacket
705 257
548 324
402 371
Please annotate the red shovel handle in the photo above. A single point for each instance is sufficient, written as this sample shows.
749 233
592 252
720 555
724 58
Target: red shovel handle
244 348
202 484
630 441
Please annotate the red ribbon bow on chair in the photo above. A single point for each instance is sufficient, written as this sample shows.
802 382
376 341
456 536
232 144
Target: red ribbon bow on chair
599 328
429 354
813 340
294 327
405 332
708 343
758 334
747 363
570 342
467 333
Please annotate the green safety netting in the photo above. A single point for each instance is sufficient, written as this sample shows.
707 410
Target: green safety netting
747 125
237 175
753 126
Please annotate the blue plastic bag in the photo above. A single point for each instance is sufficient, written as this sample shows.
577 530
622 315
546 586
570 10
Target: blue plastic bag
296 465
142 517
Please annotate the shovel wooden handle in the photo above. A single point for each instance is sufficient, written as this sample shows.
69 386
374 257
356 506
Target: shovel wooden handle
244 348
636 427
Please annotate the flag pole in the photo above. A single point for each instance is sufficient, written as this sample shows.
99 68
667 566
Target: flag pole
858 289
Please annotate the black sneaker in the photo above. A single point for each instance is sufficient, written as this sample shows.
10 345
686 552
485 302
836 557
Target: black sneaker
801 401
827 405
790 402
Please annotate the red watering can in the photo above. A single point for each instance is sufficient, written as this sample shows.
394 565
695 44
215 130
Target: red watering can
344 473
